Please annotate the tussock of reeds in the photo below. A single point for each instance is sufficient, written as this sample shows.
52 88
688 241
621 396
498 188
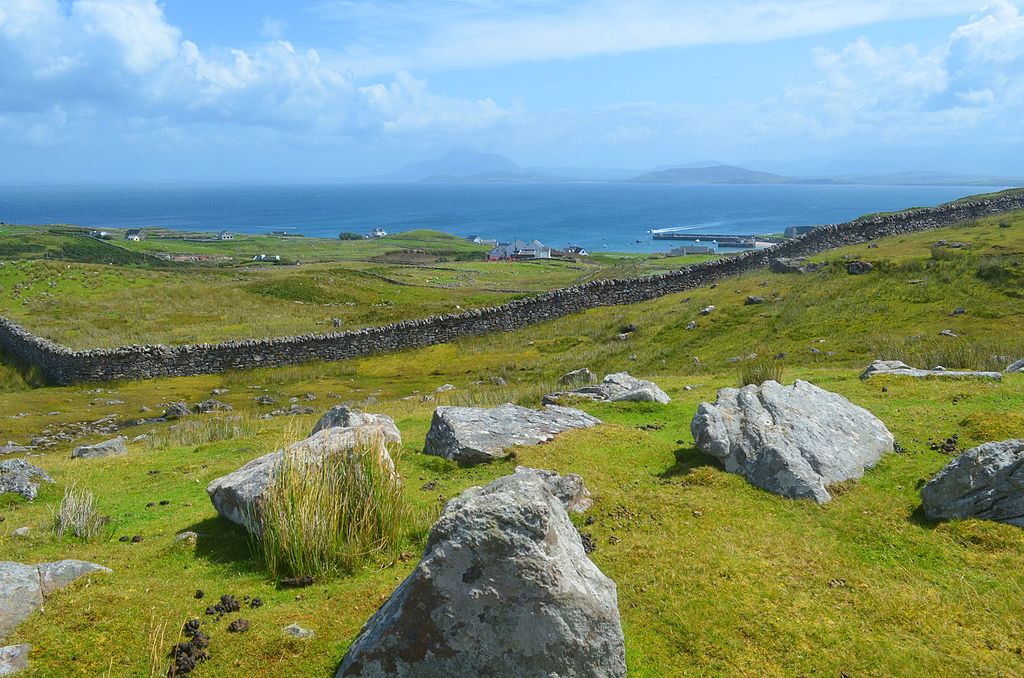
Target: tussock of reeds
78 515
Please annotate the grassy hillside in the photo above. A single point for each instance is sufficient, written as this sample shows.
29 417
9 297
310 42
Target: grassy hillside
715 577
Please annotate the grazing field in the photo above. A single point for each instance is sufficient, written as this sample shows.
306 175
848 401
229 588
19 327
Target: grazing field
715 577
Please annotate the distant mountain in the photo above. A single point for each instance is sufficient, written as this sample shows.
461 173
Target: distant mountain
503 177
454 164
717 174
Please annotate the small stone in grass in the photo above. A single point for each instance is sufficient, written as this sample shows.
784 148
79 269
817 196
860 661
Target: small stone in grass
238 626
136 539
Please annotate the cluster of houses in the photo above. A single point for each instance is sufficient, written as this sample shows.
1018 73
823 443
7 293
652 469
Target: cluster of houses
520 249
137 234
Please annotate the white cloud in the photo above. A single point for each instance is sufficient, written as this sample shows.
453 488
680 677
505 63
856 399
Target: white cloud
124 57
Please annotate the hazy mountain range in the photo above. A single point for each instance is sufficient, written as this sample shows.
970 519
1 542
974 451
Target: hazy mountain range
472 167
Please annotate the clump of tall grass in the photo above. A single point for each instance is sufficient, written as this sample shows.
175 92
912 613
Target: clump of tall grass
203 430
78 515
759 370
949 352
327 515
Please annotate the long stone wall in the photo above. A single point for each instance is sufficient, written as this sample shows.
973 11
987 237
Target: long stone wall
62 365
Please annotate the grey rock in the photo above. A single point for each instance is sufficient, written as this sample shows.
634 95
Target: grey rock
707 310
12 448
498 381
212 405
108 448
296 631
1016 367
471 435
792 265
569 489
577 377
692 325
13 659
220 391
618 387
345 417
900 368
794 440
985 482
265 400
859 267
23 587
752 300
504 589
444 388
20 477
186 537
960 310
177 410
239 495
948 333
622 337
22 532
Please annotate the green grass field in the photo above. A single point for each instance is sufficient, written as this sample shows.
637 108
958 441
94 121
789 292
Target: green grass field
714 576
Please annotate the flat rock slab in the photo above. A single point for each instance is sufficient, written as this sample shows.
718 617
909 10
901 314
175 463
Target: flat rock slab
900 368
23 587
504 589
108 448
618 387
20 477
471 435
239 495
794 440
985 482
1015 367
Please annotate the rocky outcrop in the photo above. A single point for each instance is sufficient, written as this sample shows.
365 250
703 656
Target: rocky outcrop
471 435
504 589
859 267
24 587
108 448
1015 367
791 440
792 265
616 387
899 368
177 410
341 416
985 482
20 477
239 495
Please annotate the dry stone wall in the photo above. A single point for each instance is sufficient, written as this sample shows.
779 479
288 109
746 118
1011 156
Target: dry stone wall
62 365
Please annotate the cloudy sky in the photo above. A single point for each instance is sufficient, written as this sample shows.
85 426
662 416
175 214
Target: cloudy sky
190 90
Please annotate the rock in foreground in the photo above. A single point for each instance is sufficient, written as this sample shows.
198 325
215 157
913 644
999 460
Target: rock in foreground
20 477
108 448
902 369
23 587
341 416
569 489
239 495
471 435
791 440
985 482
504 589
616 387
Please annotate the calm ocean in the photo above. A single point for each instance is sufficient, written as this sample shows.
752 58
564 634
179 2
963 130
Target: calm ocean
600 216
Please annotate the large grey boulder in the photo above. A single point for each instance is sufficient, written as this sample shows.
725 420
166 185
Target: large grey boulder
23 587
341 416
794 440
471 435
618 387
108 448
239 495
20 477
1015 367
902 369
504 589
984 482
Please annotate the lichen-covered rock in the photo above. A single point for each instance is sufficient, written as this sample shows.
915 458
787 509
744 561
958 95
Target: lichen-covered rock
504 589
23 587
239 495
108 448
791 440
20 477
985 482
212 405
13 659
577 377
569 489
900 368
177 410
859 267
345 417
1015 367
618 387
471 435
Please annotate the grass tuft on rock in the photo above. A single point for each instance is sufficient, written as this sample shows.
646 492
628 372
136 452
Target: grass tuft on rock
327 516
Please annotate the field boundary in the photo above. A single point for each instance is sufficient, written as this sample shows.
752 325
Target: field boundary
62 365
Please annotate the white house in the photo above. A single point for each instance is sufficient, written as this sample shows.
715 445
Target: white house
225 235
576 250
133 234
520 250
377 233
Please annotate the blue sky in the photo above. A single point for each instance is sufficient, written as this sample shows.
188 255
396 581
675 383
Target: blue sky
107 90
